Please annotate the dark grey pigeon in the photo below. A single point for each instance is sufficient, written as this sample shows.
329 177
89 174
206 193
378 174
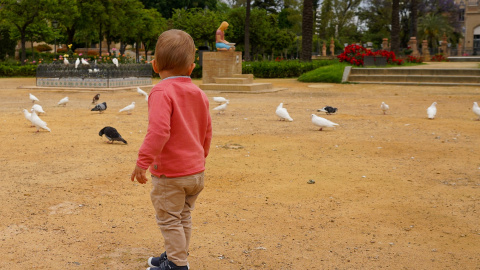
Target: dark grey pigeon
95 99
100 107
328 110
111 134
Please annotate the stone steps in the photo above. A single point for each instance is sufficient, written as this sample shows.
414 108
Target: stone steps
237 83
237 87
415 76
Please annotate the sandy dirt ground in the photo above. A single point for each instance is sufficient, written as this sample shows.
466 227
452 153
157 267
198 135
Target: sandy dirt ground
395 191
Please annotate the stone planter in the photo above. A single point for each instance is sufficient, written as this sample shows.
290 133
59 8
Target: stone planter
369 61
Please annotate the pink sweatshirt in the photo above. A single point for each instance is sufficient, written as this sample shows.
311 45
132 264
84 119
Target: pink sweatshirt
179 129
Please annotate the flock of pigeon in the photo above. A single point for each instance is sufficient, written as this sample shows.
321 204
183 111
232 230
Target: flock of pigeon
321 122
110 133
86 63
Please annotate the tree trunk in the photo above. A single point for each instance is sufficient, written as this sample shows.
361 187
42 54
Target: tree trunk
413 30
33 52
395 32
123 46
247 33
23 54
100 39
137 51
108 46
146 51
70 35
307 30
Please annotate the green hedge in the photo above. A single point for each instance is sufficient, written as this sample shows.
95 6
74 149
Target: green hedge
17 71
282 69
264 69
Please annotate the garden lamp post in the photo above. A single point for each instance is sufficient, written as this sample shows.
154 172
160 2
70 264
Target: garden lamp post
55 25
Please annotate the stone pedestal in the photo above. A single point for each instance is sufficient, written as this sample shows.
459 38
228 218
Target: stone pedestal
220 64
444 45
413 45
425 51
222 71
324 50
385 45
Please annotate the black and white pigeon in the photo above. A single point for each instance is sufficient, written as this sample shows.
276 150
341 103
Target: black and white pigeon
328 109
100 107
111 134
95 99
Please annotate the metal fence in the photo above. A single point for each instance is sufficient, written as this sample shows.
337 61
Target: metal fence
94 71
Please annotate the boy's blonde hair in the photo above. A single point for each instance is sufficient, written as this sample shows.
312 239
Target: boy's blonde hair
223 26
175 51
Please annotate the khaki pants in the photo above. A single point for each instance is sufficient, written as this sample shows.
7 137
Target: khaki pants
173 200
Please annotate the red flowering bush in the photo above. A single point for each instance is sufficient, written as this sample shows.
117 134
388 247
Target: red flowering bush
354 54
439 58
414 59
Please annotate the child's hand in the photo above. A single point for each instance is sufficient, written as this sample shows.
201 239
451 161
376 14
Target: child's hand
139 174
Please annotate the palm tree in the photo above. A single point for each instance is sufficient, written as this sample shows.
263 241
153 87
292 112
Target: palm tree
395 32
307 30
432 27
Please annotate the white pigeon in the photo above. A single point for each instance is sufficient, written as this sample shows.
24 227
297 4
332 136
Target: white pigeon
476 109
84 62
283 113
128 108
141 92
28 116
39 123
63 101
115 61
77 62
38 108
220 99
432 110
33 98
322 122
65 61
384 107
221 108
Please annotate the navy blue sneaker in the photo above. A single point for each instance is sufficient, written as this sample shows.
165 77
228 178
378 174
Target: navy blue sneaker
168 265
156 261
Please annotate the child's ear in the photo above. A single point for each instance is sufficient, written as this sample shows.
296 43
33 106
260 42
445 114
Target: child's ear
154 66
190 69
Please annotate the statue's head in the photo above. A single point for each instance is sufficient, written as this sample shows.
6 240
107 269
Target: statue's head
223 26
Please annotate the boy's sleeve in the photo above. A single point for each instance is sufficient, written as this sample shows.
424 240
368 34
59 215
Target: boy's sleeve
158 132
208 137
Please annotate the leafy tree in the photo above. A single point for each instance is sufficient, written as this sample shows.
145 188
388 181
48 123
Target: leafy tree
432 27
7 42
167 7
344 11
290 18
261 30
68 15
201 24
269 5
22 14
307 30
153 25
326 26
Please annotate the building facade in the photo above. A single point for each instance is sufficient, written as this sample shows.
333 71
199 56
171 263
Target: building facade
470 17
